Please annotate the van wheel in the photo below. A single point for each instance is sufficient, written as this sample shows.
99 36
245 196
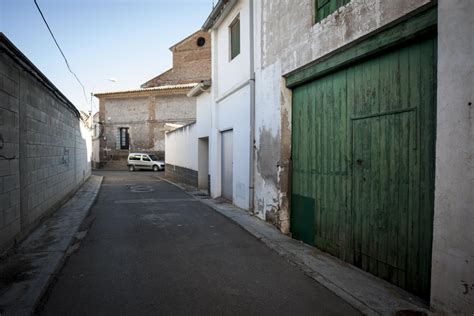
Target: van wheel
155 168
131 168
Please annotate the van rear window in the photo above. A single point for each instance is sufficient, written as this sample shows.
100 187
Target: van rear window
134 158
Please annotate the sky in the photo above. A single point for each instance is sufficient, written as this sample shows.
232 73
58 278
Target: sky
125 40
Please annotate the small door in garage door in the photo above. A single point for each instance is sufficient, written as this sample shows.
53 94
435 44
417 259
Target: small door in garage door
227 164
363 163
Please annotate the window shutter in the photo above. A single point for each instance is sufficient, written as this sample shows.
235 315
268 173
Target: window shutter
323 8
117 138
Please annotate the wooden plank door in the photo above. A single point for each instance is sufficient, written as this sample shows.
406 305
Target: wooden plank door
363 164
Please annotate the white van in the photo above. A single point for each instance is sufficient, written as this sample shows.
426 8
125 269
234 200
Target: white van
138 161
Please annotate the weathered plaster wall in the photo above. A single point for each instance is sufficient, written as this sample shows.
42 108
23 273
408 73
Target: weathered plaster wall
453 245
45 154
287 39
146 117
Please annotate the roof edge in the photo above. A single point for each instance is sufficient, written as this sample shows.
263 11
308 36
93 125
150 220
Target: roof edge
180 128
203 86
166 88
218 13
143 85
184 39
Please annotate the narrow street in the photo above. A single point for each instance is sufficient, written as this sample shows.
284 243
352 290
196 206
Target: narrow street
153 249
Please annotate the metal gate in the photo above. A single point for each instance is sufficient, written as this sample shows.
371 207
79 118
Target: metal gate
227 164
363 164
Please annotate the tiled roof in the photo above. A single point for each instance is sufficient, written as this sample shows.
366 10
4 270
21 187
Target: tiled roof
160 88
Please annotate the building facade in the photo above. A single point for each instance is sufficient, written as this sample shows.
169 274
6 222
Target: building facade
187 147
136 120
231 102
356 104
347 125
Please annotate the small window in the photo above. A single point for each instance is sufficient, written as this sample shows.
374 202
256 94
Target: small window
234 31
323 8
145 158
124 138
135 157
201 41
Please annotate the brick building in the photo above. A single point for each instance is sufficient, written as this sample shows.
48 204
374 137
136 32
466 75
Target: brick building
136 120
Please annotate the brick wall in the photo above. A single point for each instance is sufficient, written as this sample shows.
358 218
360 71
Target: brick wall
191 63
43 152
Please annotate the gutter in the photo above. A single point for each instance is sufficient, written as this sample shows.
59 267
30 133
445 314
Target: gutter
252 107
203 86
217 14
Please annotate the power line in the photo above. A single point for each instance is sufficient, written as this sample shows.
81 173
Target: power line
61 51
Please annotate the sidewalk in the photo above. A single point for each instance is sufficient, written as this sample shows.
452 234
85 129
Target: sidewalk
27 273
365 292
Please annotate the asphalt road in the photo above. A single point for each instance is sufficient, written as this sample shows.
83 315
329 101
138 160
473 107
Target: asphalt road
154 250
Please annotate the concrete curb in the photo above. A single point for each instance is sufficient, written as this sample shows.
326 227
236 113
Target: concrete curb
42 254
365 292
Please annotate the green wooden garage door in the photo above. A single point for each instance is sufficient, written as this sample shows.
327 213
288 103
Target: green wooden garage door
363 164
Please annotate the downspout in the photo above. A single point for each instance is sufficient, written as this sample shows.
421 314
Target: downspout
252 108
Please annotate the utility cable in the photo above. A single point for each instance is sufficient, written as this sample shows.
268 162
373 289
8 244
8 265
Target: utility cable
61 51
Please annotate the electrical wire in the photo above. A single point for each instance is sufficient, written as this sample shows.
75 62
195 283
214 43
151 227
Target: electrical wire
61 51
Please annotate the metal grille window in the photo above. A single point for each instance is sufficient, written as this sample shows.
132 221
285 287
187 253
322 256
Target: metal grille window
323 8
234 30
124 138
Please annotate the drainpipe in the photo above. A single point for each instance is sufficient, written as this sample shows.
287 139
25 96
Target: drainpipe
252 108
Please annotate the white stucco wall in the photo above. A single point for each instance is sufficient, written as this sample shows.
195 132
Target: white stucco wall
231 73
232 113
182 148
203 114
230 104
452 288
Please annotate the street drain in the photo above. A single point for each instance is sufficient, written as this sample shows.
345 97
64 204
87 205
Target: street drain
140 188
408 312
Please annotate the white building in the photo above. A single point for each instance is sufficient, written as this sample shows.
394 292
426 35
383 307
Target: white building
230 24
187 147
291 114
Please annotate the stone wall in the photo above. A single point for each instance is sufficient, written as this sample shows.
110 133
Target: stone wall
146 115
43 153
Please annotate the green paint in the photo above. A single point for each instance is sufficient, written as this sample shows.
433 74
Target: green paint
363 152
302 219
323 8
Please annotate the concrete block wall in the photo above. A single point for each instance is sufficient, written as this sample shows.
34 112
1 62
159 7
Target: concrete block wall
9 151
43 154
181 175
